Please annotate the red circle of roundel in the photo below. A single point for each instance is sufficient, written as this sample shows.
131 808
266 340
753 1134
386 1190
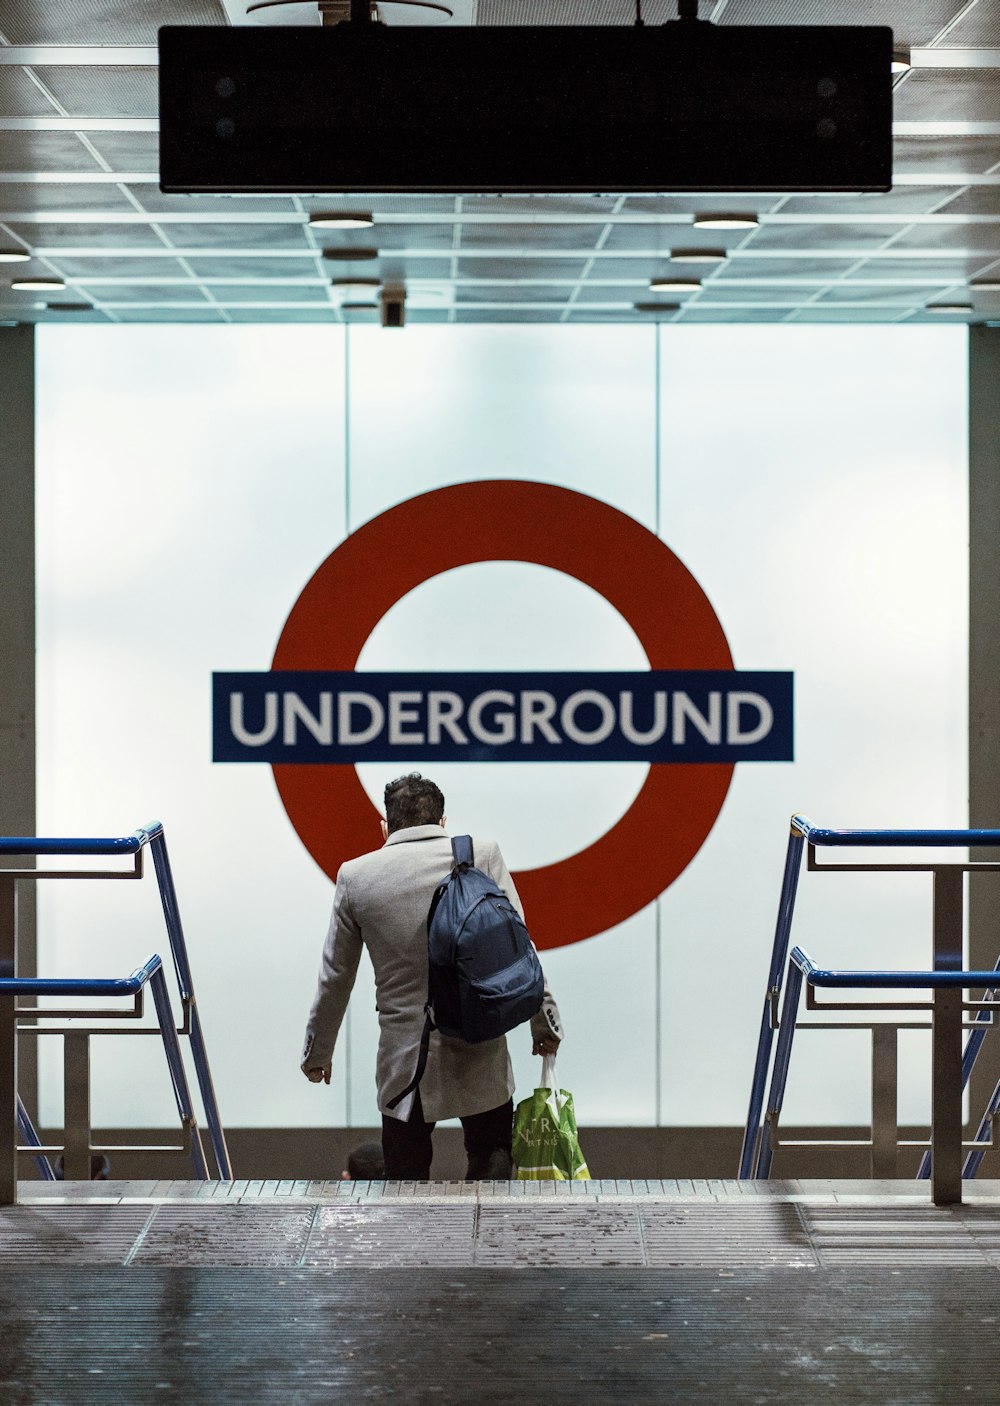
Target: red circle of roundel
639 575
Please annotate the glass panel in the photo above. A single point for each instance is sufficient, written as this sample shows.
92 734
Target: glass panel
815 481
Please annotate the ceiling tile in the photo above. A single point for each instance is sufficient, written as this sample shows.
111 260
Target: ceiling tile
947 95
950 155
128 151
88 236
267 293
251 269
950 236
95 90
100 21
820 236
975 200
913 21
661 238
817 270
110 294
534 237
897 297
211 235
206 314
942 271
153 269
909 200
466 294
48 195
500 268
19 97
44 151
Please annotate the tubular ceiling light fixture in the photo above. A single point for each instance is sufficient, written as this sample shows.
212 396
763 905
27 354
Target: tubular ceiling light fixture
359 307
70 307
656 307
698 256
674 285
13 256
948 307
985 285
341 219
726 221
900 59
347 255
38 285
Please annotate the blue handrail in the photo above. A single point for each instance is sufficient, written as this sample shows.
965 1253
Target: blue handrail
153 836
896 839
890 980
802 832
122 844
81 986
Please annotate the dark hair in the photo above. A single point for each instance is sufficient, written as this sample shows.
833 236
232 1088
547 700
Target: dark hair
366 1162
412 800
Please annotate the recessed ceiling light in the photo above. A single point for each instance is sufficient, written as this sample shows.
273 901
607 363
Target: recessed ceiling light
726 221
359 307
948 307
348 254
985 285
70 307
698 256
900 60
38 285
674 285
13 256
657 307
341 219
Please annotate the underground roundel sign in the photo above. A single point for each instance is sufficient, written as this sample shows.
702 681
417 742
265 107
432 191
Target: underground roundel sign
691 715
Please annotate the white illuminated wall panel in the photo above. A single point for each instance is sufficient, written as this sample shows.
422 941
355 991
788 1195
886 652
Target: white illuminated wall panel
192 479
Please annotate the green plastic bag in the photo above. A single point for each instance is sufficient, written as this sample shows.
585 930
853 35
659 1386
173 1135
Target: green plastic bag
546 1147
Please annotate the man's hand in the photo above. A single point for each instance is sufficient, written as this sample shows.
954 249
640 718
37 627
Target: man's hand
545 1045
319 1074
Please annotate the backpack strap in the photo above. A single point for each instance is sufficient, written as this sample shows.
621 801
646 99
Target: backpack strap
461 848
425 1040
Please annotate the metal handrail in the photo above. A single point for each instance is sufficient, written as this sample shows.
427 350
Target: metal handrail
81 986
803 832
133 844
896 839
889 980
121 844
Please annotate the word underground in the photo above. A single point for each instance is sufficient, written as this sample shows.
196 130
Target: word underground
659 716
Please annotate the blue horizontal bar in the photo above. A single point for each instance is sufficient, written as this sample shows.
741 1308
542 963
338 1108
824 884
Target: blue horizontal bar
80 986
816 976
895 839
123 844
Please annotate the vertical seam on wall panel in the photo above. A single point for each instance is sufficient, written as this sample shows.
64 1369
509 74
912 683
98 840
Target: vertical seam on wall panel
347 431
347 532
657 500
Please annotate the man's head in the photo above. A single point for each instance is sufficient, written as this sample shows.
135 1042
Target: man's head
412 800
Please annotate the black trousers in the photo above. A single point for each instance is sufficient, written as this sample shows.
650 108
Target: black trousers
407 1147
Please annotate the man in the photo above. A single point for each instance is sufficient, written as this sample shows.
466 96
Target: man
381 903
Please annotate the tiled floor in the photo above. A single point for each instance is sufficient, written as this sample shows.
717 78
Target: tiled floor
499 1293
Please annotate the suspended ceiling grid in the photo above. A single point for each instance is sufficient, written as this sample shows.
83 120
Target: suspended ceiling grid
79 193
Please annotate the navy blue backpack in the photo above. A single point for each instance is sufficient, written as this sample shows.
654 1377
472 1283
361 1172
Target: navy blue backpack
484 976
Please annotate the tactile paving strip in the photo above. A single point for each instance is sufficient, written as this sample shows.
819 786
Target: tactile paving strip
69 1234
902 1235
385 1237
226 1235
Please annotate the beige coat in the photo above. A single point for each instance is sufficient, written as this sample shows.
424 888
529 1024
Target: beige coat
381 903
